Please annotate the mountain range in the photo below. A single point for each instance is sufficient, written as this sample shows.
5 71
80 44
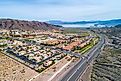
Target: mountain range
108 23
53 24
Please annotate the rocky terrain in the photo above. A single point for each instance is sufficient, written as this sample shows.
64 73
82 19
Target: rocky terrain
107 67
25 25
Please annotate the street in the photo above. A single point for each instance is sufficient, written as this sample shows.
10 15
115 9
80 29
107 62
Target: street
80 67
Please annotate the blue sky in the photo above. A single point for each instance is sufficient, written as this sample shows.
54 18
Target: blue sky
66 10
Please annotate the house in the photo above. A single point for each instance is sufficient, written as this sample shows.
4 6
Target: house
70 46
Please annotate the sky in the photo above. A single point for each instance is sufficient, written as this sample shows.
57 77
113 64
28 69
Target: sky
66 10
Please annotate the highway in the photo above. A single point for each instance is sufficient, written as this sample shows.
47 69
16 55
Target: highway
79 68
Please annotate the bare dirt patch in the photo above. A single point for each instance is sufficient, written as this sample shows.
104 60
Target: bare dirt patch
10 70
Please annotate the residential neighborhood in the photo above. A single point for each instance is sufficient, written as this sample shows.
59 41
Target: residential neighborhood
40 50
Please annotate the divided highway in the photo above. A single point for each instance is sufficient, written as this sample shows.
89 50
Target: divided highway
75 73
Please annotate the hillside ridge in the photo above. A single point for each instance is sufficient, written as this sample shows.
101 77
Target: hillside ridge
11 24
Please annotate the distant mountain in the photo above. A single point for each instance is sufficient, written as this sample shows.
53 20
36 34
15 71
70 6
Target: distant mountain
25 25
110 22
93 23
118 26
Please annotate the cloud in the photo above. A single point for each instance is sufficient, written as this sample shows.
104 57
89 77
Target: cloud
60 9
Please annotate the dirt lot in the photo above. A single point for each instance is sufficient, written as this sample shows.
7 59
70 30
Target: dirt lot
51 71
10 70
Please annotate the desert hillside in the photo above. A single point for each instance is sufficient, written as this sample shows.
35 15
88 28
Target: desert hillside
25 25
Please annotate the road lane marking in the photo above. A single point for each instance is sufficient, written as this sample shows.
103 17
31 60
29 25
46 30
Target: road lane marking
88 59
82 73
43 71
60 70
76 70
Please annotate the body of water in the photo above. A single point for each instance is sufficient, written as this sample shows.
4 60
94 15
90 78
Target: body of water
77 25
